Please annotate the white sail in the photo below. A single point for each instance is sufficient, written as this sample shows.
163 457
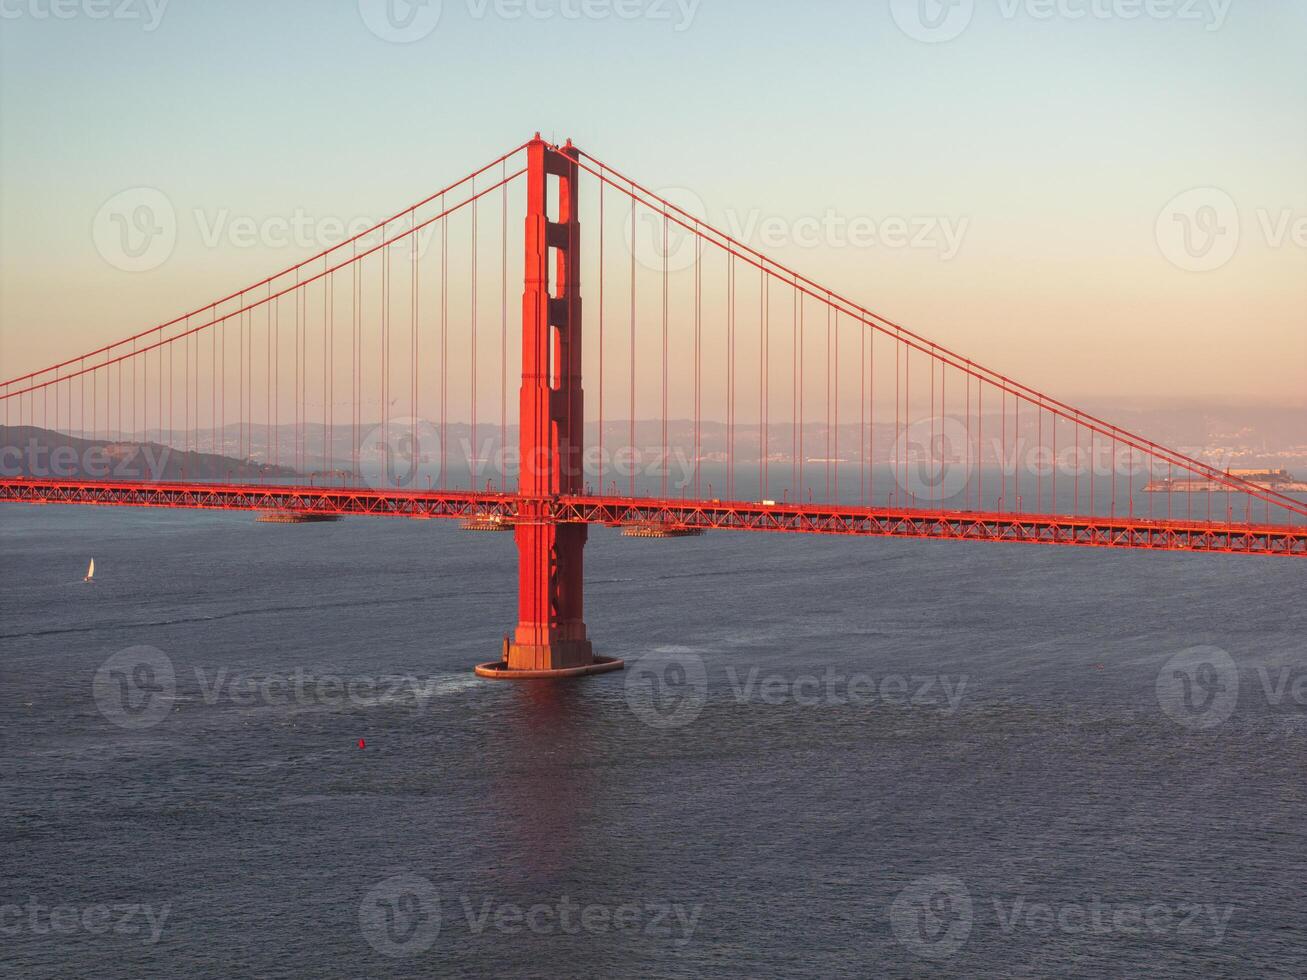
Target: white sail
90 572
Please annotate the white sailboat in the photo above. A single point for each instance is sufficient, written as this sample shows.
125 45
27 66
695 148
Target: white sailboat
90 572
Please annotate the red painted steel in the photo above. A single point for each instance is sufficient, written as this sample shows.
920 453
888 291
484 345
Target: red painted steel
581 510
1100 532
352 501
551 632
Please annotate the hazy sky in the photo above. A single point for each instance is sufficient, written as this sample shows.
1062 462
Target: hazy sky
1042 151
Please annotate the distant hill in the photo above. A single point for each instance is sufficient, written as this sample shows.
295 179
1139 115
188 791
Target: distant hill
32 452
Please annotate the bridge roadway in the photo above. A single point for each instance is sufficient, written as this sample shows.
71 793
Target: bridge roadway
810 518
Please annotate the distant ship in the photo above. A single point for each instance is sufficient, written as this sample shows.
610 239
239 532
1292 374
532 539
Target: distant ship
1280 481
295 517
90 572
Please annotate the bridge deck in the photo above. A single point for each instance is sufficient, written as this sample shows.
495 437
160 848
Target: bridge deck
810 518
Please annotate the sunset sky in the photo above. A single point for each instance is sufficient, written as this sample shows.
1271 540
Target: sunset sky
1044 159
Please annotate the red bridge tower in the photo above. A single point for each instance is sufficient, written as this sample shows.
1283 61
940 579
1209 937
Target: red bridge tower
550 639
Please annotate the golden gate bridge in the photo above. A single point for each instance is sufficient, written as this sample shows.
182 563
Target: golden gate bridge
708 329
